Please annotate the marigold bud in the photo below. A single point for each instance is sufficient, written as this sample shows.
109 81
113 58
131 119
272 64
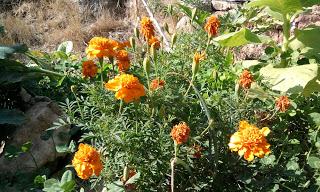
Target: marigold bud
173 39
132 43
146 65
136 32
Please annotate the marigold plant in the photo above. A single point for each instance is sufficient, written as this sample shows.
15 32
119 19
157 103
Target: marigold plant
127 87
250 141
246 79
89 69
147 28
212 25
180 133
154 41
86 161
283 103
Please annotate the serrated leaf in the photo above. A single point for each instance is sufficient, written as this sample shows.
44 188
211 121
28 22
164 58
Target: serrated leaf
292 165
52 185
298 79
26 146
238 38
314 162
12 117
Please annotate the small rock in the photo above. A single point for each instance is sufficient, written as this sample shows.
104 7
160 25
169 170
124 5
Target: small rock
223 5
184 25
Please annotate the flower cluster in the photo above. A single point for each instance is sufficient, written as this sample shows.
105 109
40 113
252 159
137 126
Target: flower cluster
127 87
86 161
180 133
250 141
147 30
246 79
212 26
100 47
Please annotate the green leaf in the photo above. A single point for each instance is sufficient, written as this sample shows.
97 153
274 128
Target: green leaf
7 51
200 17
12 117
26 146
184 164
52 185
63 148
315 117
307 42
297 79
238 38
314 162
68 186
251 63
283 6
65 47
66 177
133 179
268 160
116 187
292 165
256 91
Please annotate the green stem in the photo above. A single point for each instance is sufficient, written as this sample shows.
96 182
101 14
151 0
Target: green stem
191 82
120 108
48 72
286 37
101 70
173 161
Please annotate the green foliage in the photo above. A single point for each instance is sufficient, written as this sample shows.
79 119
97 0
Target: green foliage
66 184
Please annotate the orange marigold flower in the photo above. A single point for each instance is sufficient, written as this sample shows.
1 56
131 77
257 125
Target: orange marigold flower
147 28
180 133
89 69
246 79
157 84
283 103
100 47
123 60
212 26
250 141
127 87
86 161
154 41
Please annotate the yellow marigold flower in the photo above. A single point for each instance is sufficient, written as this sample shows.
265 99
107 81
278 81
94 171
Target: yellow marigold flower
180 133
127 87
212 26
283 103
100 47
147 28
89 69
250 141
123 60
154 41
246 79
157 84
86 161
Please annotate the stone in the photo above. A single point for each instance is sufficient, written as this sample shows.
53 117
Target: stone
184 25
40 116
223 5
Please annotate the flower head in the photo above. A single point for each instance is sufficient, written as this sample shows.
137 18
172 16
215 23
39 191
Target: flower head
123 60
156 84
100 47
246 79
212 26
89 69
283 103
154 41
180 133
250 141
127 87
199 56
147 28
86 161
